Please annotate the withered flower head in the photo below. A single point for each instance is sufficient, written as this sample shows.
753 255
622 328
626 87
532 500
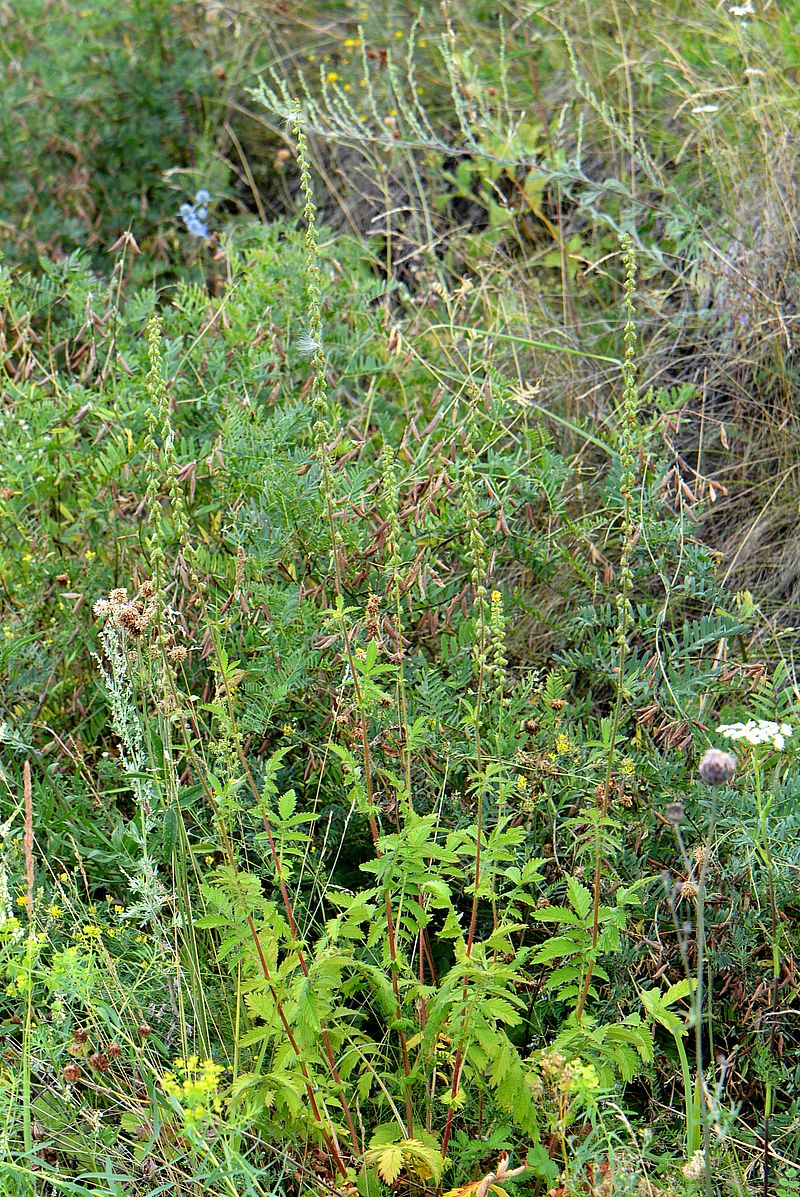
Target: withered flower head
716 767
676 813
131 620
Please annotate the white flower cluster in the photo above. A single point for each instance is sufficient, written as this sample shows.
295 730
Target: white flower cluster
757 731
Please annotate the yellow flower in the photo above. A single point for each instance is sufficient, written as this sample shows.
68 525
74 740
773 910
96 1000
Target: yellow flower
119 909
90 554
22 900
399 33
331 77
563 745
54 911
352 41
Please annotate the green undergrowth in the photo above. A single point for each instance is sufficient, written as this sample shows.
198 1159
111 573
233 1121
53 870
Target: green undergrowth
354 707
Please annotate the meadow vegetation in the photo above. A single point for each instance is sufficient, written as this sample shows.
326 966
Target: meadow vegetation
398 574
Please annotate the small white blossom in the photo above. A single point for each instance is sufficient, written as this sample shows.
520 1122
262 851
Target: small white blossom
705 108
693 1169
757 731
742 10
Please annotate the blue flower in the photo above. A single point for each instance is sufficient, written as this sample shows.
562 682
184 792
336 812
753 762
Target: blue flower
194 215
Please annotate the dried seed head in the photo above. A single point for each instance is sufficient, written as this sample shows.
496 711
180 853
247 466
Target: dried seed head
716 767
700 854
177 653
241 562
147 590
119 596
79 1035
98 1060
688 891
676 813
71 1073
130 619
144 1029
114 1051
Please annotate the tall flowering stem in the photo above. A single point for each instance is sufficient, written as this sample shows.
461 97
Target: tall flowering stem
627 483
484 661
319 402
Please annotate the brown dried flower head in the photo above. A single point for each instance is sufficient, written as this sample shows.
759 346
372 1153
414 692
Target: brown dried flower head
130 618
716 767
99 1061
71 1073
119 596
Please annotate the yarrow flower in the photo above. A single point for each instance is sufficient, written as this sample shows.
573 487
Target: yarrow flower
195 215
758 731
